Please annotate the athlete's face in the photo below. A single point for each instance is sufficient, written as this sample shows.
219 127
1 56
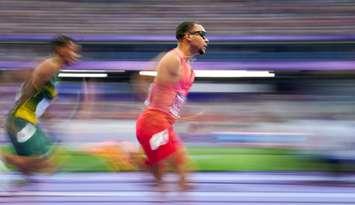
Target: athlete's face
198 39
69 53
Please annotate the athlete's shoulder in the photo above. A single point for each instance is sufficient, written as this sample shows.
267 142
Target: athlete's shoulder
44 72
45 67
48 63
173 53
170 58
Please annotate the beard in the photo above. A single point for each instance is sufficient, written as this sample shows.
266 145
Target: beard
202 51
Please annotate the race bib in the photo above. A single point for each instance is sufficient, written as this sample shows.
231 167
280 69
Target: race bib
159 139
26 133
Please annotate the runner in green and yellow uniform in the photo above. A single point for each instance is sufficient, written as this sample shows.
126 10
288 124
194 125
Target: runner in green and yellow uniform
31 144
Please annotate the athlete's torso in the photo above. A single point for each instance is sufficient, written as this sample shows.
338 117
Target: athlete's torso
31 103
170 98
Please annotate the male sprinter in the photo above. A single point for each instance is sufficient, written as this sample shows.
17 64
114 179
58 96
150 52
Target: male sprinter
167 94
32 146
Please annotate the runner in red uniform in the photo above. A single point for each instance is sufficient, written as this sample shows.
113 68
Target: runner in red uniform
167 94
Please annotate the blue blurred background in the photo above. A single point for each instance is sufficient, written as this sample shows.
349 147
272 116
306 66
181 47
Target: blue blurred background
308 45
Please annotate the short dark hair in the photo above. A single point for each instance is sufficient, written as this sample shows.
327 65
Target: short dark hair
182 28
60 41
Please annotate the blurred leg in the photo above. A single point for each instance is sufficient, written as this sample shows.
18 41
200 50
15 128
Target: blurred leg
158 171
28 165
181 169
178 162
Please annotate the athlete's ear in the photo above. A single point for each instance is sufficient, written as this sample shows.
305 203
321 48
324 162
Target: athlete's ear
188 36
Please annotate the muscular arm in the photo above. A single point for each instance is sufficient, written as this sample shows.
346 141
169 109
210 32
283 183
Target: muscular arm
168 69
43 74
37 79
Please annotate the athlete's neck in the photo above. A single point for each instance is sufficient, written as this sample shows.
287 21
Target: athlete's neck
185 50
58 60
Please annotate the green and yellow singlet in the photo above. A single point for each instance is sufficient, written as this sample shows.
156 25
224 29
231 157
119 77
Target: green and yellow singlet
32 103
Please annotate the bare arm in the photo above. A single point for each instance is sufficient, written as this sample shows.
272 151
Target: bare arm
38 78
43 74
168 70
192 117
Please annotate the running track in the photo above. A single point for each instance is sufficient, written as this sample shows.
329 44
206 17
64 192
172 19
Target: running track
209 188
